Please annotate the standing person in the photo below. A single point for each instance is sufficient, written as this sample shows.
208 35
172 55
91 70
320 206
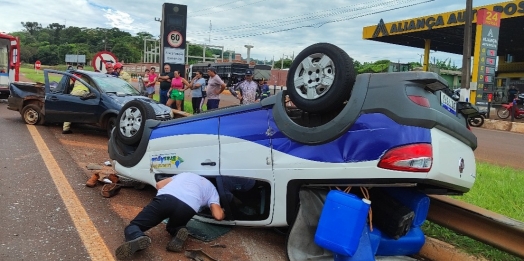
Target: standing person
110 69
215 86
145 81
248 89
165 79
119 69
512 93
265 92
79 89
176 93
198 86
153 78
178 198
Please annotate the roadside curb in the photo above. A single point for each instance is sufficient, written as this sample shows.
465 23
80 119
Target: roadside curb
437 250
503 125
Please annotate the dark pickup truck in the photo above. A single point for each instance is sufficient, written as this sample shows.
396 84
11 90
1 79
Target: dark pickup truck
40 103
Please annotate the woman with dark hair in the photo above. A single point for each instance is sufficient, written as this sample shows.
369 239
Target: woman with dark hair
198 86
176 93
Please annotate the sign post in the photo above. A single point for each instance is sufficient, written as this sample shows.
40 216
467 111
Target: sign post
173 34
37 65
101 58
485 55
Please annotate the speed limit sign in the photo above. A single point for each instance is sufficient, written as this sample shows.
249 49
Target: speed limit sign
175 39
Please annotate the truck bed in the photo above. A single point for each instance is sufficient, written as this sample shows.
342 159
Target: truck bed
20 91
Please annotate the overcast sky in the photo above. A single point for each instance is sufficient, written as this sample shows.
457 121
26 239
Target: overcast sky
273 27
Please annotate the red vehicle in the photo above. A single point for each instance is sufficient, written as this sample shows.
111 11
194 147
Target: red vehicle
9 62
505 111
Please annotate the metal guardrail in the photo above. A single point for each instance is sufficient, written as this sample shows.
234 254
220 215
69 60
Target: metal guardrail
483 225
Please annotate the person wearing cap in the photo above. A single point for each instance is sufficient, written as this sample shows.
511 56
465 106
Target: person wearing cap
110 69
215 86
248 89
119 69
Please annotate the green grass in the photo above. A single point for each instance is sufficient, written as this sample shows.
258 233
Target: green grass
37 76
188 107
498 189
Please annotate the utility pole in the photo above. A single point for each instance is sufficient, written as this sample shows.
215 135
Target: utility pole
466 56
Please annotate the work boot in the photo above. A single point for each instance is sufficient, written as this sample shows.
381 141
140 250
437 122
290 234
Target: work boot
177 242
114 178
109 190
127 249
93 180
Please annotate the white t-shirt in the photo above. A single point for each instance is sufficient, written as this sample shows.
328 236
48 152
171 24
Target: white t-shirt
192 189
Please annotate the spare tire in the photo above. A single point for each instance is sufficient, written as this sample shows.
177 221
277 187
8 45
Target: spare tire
321 78
131 121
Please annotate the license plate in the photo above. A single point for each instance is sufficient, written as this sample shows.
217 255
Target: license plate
448 103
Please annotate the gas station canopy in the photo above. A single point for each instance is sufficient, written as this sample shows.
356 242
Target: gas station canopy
446 30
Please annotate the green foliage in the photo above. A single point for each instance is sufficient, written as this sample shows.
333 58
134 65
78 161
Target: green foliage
50 44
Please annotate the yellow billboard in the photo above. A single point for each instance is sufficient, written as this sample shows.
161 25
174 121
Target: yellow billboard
443 20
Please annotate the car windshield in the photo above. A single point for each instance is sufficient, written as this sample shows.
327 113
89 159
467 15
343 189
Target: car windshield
115 85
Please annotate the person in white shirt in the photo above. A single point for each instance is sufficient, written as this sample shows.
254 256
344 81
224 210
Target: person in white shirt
248 89
178 198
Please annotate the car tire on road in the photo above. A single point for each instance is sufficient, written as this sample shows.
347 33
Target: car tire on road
32 115
131 121
321 78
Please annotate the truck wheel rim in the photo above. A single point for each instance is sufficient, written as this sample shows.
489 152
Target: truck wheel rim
314 76
130 122
31 116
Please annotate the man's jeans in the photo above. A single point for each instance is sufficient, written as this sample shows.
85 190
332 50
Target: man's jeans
160 208
163 96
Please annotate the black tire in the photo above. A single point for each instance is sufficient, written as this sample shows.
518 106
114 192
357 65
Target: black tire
110 124
327 96
32 115
476 121
503 113
134 112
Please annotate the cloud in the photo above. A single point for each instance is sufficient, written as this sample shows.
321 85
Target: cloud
122 20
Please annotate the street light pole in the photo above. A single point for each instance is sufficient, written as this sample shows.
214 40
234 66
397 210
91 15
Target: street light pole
466 55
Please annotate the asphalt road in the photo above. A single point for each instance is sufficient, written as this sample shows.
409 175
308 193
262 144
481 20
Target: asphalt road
500 147
49 214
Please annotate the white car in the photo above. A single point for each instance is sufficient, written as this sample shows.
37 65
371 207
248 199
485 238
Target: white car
384 129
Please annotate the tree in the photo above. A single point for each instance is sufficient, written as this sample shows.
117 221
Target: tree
32 27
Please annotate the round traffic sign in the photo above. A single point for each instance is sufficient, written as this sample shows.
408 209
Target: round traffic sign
175 39
101 58
37 65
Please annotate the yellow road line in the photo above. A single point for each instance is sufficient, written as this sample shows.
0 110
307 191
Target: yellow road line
93 242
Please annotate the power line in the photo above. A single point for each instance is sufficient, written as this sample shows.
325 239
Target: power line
320 24
213 7
305 17
207 14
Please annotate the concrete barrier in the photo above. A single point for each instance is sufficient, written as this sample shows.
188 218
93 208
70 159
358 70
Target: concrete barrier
503 125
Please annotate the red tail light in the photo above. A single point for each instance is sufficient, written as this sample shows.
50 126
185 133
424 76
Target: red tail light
411 158
422 101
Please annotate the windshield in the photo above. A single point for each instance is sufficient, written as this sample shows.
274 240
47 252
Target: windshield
115 85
